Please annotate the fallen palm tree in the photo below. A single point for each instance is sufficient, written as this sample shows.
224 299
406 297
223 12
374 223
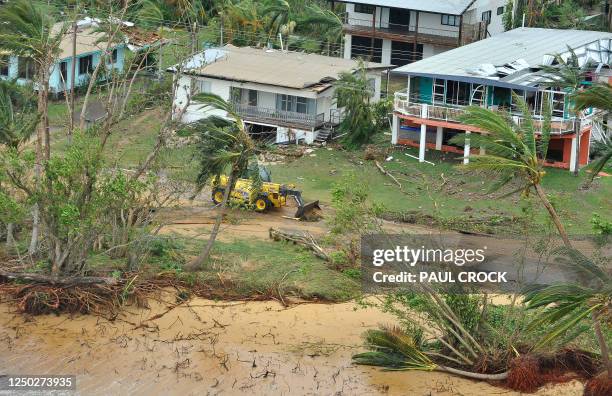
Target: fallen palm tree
393 349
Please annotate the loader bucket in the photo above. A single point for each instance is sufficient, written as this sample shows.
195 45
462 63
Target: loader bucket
308 211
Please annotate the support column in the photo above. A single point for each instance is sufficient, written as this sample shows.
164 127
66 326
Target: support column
386 52
573 165
439 137
395 129
482 151
423 143
348 40
423 139
466 148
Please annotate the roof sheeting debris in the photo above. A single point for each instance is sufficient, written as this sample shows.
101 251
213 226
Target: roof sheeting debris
513 59
271 67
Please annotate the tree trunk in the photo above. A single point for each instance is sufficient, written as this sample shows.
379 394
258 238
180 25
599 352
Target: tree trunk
72 79
469 374
10 241
35 229
553 215
603 346
203 257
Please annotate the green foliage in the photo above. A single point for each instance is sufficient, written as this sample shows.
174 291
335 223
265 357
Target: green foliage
601 226
565 306
353 93
353 214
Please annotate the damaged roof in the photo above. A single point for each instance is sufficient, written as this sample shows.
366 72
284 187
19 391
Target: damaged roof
88 40
512 59
271 67
138 38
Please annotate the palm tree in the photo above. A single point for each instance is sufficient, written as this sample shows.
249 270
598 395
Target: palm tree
277 12
513 151
29 30
566 305
353 93
600 97
325 22
224 143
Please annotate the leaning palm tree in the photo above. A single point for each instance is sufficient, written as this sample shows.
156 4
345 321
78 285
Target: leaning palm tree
224 143
565 306
514 153
29 30
277 12
600 97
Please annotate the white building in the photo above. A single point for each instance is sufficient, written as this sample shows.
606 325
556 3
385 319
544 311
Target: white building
281 95
403 31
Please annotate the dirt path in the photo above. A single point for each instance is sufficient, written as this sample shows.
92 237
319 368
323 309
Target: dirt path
220 348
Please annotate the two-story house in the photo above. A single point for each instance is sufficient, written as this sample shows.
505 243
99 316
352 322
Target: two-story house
486 73
89 46
282 96
403 31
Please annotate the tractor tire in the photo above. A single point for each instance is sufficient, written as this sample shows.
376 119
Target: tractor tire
262 204
217 195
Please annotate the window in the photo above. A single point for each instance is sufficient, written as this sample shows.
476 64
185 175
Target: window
450 20
114 56
365 8
252 97
500 10
86 64
4 65
204 86
63 69
486 16
295 104
235 95
25 68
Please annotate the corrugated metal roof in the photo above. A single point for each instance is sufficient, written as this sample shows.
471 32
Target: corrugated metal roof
453 7
535 46
271 67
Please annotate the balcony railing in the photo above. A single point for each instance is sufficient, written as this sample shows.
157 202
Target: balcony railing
281 117
396 28
412 106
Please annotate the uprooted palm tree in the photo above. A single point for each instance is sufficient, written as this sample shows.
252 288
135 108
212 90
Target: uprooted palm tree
29 30
600 97
513 151
567 305
438 337
224 143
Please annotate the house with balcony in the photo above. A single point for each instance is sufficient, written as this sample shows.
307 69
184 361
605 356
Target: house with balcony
282 96
403 31
90 45
487 73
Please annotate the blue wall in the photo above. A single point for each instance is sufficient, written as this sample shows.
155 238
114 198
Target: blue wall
55 81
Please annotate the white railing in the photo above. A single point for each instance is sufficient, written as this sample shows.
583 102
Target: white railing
273 115
413 106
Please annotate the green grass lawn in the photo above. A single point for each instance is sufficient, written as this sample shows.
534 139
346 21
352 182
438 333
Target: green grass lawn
444 189
425 188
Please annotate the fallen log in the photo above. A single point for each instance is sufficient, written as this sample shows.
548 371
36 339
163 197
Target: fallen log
386 173
56 280
300 238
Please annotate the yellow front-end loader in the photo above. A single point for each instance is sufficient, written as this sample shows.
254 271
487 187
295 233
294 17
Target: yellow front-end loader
269 195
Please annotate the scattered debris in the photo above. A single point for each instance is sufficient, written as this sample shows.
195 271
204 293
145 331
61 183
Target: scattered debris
300 238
